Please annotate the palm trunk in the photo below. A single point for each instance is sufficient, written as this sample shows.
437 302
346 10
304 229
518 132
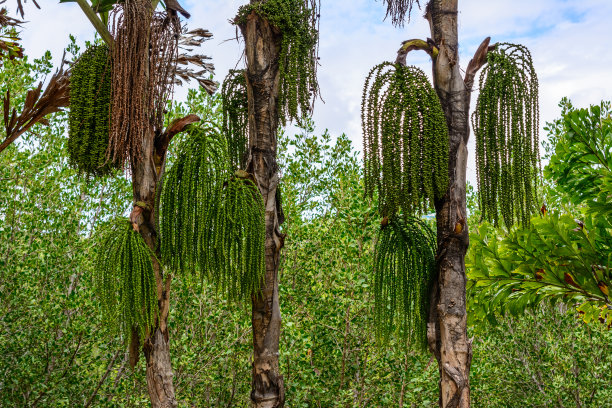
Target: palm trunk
146 173
262 42
448 318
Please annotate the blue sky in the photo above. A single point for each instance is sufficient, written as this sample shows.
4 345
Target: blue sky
569 41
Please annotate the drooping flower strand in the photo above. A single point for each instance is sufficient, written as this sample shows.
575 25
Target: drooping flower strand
235 116
125 280
239 239
404 271
190 192
298 22
506 125
405 140
89 116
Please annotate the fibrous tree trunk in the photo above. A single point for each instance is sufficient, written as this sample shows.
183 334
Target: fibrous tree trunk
447 331
262 42
146 174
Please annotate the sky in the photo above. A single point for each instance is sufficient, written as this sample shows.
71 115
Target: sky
569 42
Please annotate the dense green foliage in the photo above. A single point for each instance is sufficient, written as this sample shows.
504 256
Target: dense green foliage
404 270
506 126
405 140
235 116
189 197
297 21
125 280
566 257
89 118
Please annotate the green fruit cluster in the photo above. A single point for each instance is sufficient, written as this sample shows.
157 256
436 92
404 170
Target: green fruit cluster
210 223
405 140
506 126
235 116
404 271
89 116
189 196
126 280
239 239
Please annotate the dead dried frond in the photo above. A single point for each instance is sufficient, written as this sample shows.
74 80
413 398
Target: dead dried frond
38 104
184 72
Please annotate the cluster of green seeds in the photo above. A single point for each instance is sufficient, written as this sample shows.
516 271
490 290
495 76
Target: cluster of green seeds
405 140
235 116
238 245
297 20
506 126
404 271
89 116
190 192
210 223
126 280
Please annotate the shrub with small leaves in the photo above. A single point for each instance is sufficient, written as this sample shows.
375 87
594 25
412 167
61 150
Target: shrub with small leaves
190 193
89 117
506 125
405 140
235 116
298 21
404 270
125 280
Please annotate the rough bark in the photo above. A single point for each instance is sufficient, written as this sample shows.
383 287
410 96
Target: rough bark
448 321
146 174
262 42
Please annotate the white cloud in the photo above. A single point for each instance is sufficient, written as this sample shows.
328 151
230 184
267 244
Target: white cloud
568 41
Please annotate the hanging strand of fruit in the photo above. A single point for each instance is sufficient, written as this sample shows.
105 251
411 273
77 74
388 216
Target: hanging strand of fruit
89 116
405 140
404 270
298 21
191 190
235 116
238 244
506 125
144 64
126 280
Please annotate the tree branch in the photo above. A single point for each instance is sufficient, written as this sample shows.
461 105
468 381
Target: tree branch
480 58
416 44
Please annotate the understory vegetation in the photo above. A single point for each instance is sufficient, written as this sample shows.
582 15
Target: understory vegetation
55 351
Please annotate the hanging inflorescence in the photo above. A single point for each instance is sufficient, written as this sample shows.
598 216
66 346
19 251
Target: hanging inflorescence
404 270
89 116
238 245
126 280
235 116
405 140
190 193
209 226
398 9
506 126
144 57
298 22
